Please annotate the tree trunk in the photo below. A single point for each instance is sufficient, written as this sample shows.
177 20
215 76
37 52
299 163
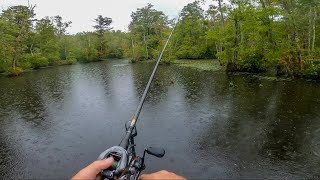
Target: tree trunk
31 49
288 34
221 14
102 49
146 46
222 28
88 45
288 7
65 52
87 54
132 44
288 23
14 61
268 23
309 31
314 29
222 23
241 33
89 42
297 40
236 40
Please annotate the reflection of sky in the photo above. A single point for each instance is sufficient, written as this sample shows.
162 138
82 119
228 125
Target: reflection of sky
87 93
122 88
118 10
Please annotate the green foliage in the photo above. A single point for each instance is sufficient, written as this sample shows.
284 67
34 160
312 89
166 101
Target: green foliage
70 61
189 52
60 31
190 36
45 40
312 70
146 32
245 35
115 44
13 72
35 61
84 46
5 48
201 65
102 26
26 45
257 36
16 26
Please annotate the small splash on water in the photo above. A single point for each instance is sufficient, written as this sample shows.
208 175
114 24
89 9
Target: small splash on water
120 65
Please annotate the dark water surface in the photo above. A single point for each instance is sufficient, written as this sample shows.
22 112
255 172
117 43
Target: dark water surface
55 121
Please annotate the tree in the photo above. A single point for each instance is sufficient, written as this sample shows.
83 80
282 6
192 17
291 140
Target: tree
147 26
86 50
6 46
102 26
61 29
246 35
190 34
18 20
116 40
46 40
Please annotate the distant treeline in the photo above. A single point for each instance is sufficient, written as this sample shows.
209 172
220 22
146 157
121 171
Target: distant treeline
243 35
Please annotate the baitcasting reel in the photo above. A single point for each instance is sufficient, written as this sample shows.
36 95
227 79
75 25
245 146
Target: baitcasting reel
127 165
122 168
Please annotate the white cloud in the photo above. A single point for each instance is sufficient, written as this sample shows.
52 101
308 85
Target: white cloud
82 12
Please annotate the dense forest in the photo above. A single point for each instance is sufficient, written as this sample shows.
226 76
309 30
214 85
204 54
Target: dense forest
278 36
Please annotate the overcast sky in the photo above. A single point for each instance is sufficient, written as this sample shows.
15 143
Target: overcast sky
83 12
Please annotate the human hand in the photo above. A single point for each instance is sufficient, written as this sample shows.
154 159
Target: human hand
92 171
161 175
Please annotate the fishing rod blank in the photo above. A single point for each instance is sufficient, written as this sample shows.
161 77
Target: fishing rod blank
126 164
124 141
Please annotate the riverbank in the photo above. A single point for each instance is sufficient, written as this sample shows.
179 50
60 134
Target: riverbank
10 72
199 64
214 65
25 69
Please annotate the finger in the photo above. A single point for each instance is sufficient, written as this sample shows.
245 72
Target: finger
94 169
100 165
161 175
142 177
99 177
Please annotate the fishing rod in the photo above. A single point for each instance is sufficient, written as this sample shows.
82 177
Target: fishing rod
127 165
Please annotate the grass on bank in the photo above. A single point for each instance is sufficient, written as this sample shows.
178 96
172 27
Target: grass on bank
203 65
199 64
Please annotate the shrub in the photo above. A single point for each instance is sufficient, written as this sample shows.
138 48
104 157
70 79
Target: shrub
52 57
312 70
13 72
67 62
37 60
252 61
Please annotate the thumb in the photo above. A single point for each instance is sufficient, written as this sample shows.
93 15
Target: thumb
100 165
91 171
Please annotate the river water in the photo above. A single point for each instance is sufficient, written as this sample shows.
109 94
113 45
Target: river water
55 121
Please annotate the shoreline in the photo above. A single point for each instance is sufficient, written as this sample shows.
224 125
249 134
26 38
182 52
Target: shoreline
212 65
68 63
